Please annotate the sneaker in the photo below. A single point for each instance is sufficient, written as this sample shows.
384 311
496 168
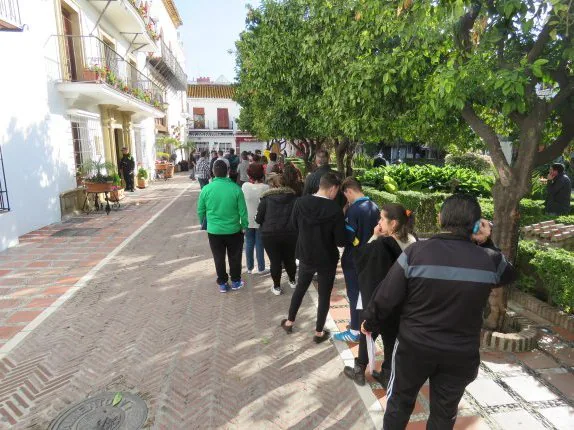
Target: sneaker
320 339
276 290
293 284
237 285
263 272
223 288
249 271
346 336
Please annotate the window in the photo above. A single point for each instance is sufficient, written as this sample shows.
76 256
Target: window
86 139
222 118
198 117
10 15
4 203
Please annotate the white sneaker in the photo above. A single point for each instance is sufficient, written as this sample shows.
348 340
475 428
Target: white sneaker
263 272
249 272
293 284
277 291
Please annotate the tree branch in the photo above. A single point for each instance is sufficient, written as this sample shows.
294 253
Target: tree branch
563 95
538 46
488 135
566 136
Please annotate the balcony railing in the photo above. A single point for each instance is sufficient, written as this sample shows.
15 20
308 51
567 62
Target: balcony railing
208 125
167 65
4 203
10 15
89 59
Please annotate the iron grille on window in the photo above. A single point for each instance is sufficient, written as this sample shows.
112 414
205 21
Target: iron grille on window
4 202
10 15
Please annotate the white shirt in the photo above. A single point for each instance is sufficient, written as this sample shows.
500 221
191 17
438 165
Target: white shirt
252 193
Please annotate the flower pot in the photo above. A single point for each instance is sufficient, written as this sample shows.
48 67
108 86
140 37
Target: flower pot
142 183
92 75
117 195
99 187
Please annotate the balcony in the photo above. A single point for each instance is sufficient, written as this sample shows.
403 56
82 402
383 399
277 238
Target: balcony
167 65
91 72
131 20
10 15
208 125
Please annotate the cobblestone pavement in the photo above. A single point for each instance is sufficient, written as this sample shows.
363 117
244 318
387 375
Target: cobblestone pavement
127 302
152 322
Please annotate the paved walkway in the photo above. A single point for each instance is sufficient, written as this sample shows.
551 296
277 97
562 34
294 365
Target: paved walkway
127 302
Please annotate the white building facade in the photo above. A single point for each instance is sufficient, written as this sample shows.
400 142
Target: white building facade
212 120
86 78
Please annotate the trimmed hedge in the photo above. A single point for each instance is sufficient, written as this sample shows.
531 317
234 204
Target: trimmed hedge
473 161
531 211
379 197
548 269
426 208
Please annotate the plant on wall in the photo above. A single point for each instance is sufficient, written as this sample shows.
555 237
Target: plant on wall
98 171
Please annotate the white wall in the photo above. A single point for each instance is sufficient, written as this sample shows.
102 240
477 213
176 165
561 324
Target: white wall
211 106
34 130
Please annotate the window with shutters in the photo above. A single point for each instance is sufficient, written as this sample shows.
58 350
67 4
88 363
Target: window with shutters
222 118
198 117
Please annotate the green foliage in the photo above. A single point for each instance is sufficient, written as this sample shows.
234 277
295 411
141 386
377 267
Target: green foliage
429 178
142 173
379 197
116 180
547 268
531 211
98 171
470 160
362 161
565 219
161 155
425 207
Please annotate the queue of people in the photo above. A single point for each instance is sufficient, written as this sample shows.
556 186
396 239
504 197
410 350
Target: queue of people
424 298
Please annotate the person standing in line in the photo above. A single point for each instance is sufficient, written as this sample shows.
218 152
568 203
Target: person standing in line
252 191
211 162
272 162
223 204
242 175
312 181
392 235
233 164
320 224
362 215
440 287
127 166
293 178
279 236
203 172
225 160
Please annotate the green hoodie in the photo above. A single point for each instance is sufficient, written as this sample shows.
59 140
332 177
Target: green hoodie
222 202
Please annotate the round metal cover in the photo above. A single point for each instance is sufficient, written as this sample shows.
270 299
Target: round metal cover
97 413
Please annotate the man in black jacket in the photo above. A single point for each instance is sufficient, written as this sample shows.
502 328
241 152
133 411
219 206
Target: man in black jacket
558 191
441 286
127 167
321 230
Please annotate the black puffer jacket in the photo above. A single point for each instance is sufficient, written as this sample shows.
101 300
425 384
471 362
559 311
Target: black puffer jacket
274 212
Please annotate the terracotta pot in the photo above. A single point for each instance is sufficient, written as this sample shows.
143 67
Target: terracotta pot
117 195
98 187
142 183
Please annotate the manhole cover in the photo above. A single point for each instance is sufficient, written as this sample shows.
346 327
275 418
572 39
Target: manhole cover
97 413
74 232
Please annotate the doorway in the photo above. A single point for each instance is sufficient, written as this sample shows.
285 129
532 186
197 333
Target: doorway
119 144
72 43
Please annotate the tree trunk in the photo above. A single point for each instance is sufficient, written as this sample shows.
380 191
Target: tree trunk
341 151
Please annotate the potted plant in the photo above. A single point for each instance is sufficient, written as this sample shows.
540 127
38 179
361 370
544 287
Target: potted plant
117 191
142 177
95 73
98 176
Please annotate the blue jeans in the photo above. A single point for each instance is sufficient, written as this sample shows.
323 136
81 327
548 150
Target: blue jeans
253 241
352 282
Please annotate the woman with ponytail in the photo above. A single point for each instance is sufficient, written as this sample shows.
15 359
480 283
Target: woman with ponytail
392 235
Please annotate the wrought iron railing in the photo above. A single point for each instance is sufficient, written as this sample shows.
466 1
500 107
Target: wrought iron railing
89 59
10 15
4 202
167 65
208 125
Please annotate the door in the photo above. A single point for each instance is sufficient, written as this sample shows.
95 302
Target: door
119 141
222 118
71 68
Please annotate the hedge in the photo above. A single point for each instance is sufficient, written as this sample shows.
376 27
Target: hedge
531 211
379 197
548 269
425 207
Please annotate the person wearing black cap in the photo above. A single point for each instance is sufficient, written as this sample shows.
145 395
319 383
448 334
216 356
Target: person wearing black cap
440 287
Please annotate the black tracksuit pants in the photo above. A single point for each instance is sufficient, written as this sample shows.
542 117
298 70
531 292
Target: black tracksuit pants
390 330
232 245
281 252
325 278
448 373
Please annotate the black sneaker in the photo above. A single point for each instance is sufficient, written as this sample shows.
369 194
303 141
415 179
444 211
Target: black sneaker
276 290
321 339
357 374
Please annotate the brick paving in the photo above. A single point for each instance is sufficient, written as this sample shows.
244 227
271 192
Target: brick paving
150 321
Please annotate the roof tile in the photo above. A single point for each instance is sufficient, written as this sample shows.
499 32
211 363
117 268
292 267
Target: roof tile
203 91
